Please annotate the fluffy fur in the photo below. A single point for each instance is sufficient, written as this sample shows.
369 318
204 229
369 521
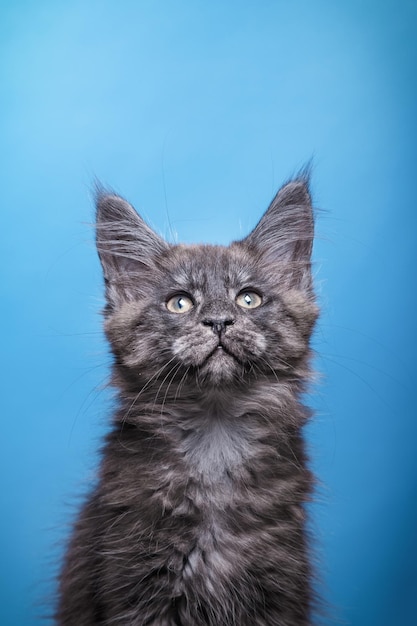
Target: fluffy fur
198 515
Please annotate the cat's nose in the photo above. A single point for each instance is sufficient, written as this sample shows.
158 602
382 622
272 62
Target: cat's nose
218 325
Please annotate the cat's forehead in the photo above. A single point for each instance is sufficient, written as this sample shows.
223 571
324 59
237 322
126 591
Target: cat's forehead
208 265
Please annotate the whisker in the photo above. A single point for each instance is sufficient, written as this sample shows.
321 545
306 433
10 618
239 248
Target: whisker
146 385
182 381
267 363
174 371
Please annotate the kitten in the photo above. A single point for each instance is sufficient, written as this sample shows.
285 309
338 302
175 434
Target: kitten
198 515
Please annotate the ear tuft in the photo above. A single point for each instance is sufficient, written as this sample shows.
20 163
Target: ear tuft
284 235
126 245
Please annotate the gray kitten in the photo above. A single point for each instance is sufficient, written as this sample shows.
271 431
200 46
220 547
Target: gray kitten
198 515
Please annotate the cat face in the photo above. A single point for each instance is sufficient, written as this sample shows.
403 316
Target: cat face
215 311
211 313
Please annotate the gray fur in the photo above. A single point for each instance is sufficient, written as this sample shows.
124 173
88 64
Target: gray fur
198 515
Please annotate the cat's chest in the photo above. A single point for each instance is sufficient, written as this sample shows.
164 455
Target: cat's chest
216 448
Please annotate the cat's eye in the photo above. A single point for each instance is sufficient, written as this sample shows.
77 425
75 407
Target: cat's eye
179 303
249 299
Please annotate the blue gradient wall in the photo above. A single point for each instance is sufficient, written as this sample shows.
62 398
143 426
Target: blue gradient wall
197 111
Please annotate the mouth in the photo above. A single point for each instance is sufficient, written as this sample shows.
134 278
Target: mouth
220 350
221 364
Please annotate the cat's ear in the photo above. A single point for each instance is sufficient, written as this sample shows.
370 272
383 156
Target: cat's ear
284 235
126 245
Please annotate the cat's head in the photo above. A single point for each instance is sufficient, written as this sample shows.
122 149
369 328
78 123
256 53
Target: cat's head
210 312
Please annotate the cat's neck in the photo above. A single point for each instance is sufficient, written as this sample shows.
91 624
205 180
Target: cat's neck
214 431
191 405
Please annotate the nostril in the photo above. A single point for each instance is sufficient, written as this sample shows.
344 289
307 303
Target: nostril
218 326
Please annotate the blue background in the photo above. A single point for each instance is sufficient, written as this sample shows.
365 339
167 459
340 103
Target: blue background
197 111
